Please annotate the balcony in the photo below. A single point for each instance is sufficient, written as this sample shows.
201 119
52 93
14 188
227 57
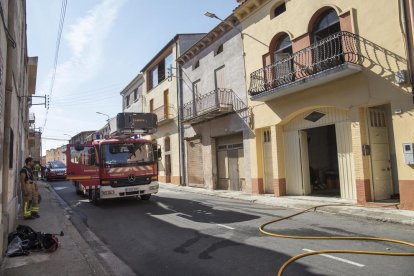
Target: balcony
164 114
334 57
213 104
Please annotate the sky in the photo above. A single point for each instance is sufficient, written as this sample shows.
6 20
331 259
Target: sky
104 45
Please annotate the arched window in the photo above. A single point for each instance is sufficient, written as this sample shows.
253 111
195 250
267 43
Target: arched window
283 70
326 25
283 48
329 52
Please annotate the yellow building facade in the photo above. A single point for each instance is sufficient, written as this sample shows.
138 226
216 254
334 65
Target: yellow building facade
330 92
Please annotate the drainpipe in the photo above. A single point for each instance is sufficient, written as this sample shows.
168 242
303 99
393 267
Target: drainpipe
408 45
181 146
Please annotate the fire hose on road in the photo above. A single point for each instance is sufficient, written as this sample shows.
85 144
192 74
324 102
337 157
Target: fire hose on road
299 256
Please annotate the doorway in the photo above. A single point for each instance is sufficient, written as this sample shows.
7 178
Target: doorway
380 154
323 161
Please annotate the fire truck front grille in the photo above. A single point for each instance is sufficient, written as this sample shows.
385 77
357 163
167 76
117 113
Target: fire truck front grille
124 182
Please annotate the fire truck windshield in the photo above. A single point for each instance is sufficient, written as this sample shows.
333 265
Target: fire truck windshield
127 154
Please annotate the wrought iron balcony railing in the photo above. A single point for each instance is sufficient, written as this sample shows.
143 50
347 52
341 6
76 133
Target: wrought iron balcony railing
165 113
325 54
212 104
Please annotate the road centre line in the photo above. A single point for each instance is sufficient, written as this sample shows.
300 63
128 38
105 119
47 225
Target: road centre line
225 226
336 258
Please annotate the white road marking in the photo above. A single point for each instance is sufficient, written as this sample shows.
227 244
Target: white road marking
60 188
225 226
336 258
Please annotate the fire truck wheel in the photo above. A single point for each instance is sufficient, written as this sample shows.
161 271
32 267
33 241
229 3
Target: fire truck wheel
146 197
78 190
95 197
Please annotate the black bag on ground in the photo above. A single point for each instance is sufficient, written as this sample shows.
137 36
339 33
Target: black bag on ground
15 248
25 239
30 238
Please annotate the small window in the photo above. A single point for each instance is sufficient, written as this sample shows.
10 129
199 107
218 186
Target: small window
219 50
266 136
167 144
196 65
279 10
151 106
127 100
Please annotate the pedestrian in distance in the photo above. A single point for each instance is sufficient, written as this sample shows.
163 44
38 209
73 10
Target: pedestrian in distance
29 190
42 171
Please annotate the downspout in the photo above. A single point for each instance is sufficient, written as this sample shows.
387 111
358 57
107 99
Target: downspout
181 146
408 45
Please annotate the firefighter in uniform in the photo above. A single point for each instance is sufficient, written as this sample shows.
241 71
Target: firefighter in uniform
29 191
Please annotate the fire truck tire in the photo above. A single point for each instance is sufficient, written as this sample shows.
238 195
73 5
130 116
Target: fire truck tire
95 197
146 197
78 190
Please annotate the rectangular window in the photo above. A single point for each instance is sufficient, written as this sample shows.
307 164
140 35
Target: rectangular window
135 94
11 149
196 91
86 156
167 146
151 106
127 100
161 71
154 77
168 64
280 9
219 78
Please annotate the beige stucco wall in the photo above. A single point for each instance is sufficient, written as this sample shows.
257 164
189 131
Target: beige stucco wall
377 24
169 129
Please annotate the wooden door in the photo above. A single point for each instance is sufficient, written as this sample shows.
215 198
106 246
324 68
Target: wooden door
380 156
304 157
297 163
234 169
267 163
219 78
293 163
195 164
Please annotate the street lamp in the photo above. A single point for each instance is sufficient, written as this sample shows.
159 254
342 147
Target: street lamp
104 115
213 15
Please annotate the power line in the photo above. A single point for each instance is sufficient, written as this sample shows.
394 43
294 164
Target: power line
60 28
54 139
92 92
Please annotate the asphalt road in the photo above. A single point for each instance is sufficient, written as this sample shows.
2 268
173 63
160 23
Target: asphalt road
180 233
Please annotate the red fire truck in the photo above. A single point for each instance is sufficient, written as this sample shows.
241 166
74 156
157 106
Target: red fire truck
118 165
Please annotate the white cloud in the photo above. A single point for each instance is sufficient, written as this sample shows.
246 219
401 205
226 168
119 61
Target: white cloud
86 39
